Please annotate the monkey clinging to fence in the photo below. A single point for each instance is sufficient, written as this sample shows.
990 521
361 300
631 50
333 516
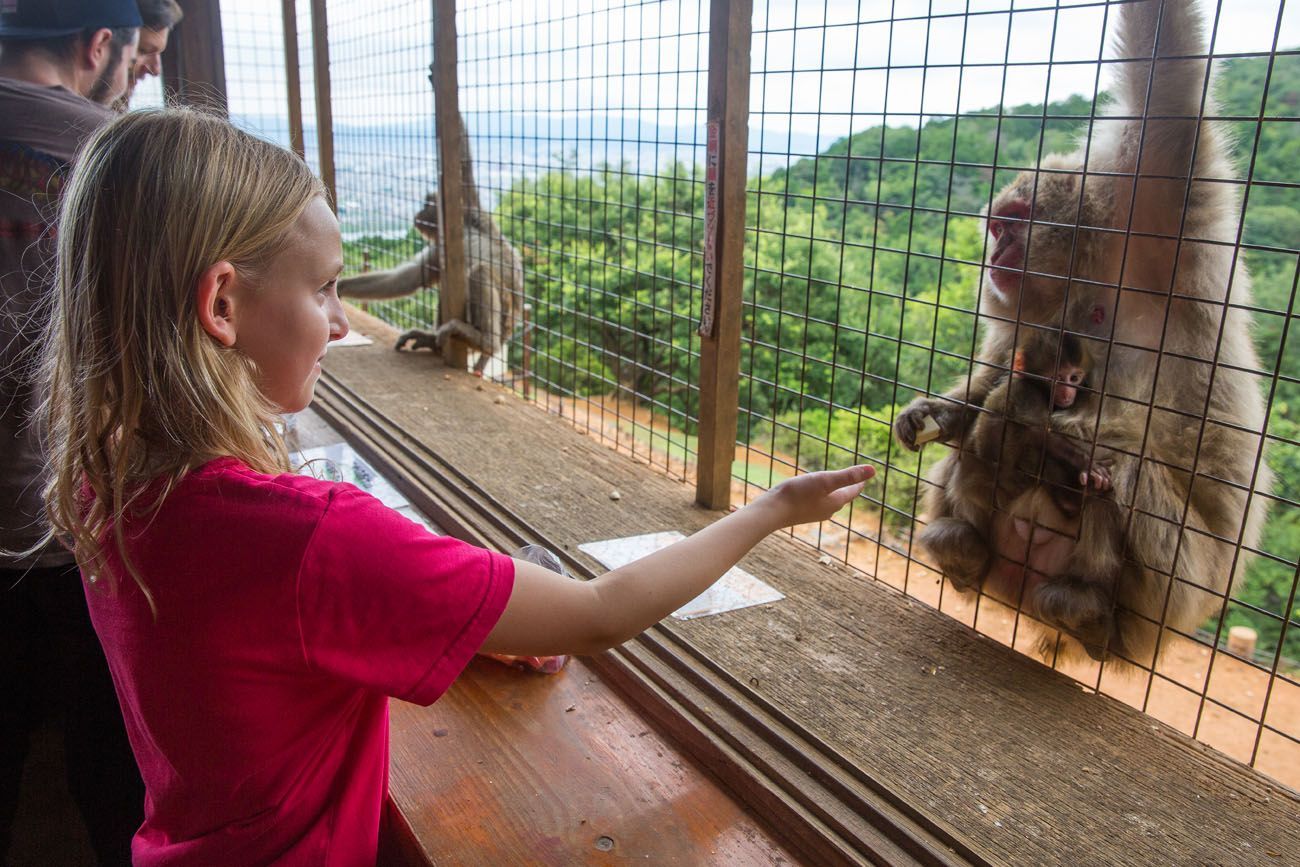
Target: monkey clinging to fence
1131 240
494 283
1016 443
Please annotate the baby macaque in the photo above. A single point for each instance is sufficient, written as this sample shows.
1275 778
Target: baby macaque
1016 432
1017 441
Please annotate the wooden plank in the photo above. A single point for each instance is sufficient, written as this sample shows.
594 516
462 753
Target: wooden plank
320 57
1011 758
194 67
293 80
451 288
517 768
728 119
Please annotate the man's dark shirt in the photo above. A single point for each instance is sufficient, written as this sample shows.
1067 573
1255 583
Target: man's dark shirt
41 129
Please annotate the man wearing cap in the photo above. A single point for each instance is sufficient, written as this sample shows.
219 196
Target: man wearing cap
61 63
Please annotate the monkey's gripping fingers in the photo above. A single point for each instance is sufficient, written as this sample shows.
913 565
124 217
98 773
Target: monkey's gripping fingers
418 338
927 420
1098 475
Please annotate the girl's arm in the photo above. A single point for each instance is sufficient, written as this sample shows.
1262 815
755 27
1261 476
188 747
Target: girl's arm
551 614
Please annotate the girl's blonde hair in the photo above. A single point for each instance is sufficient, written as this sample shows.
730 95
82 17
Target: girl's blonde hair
138 394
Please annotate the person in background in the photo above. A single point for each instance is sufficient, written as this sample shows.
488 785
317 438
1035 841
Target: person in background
61 63
159 17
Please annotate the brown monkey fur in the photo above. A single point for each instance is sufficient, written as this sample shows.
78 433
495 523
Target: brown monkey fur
494 282
1010 447
1127 240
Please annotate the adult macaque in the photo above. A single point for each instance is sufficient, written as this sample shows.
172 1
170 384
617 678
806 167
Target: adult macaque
1013 445
494 283
1130 240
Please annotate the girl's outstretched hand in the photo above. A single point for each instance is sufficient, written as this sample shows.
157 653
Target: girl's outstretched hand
815 496
549 614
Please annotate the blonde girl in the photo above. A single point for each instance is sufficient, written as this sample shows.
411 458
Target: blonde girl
256 621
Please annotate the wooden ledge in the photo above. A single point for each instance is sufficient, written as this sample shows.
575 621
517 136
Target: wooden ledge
512 767
867 726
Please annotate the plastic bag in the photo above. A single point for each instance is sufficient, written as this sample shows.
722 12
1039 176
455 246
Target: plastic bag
541 664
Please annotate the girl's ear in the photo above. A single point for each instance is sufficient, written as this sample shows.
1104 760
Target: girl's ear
216 302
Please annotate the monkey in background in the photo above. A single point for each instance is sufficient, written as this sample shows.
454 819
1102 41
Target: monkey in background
1130 240
1013 445
494 284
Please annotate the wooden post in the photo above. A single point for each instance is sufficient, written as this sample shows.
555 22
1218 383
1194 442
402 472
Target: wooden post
320 61
451 289
724 229
194 67
293 82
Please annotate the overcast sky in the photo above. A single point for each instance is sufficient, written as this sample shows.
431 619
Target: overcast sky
842 59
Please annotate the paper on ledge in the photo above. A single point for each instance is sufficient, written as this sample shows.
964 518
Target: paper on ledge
352 338
736 589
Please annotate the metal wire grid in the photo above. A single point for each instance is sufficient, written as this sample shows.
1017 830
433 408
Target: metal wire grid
586 126
879 131
252 38
385 149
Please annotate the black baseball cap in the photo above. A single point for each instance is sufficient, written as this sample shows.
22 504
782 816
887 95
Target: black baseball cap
47 19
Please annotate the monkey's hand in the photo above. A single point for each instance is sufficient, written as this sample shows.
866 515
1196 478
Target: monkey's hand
949 415
1093 470
418 338
1084 470
1098 475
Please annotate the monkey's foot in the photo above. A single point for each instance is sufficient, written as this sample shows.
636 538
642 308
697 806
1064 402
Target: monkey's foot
538 664
418 338
958 550
1081 608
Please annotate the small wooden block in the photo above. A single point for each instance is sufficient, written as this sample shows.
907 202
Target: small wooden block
929 431
1241 641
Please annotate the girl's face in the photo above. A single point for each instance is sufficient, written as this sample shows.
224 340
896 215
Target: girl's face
288 320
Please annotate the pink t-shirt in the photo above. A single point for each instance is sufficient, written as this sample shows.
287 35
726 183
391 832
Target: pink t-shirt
289 609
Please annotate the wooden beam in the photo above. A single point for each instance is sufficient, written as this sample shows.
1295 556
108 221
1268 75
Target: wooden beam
194 66
451 289
293 81
320 56
724 226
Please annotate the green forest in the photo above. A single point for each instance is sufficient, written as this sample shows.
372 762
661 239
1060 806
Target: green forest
862 274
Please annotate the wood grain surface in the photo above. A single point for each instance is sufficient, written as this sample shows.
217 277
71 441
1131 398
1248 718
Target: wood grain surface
511 767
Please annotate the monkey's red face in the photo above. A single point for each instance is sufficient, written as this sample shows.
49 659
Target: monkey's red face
1066 389
1009 229
1033 257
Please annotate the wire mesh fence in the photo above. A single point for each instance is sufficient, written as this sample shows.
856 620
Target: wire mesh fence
585 129
384 139
880 134
252 38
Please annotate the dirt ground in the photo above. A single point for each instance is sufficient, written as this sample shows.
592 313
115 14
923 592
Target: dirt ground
1234 706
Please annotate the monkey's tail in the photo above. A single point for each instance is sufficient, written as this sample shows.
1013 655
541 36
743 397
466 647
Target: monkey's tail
1163 31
